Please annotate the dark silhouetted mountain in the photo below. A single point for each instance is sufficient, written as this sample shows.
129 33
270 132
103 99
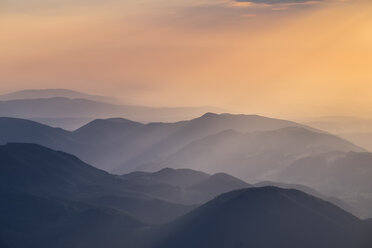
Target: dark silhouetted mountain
36 222
310 191
26 131
152 211
264 218
51 93
35 170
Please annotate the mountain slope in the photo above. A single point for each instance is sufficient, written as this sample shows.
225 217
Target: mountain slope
105 131
219 183
151 197
183 185
195 129
31 169
262 218
36 222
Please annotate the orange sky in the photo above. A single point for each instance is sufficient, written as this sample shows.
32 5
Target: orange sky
289 60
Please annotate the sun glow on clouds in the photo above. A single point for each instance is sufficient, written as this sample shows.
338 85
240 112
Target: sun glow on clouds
289 59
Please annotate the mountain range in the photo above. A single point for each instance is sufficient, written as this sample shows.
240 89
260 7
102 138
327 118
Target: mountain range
51 198
35 170
70 109
253 148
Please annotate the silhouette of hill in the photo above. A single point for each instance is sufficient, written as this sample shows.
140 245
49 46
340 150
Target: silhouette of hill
33 170
264 217
152 197
36 222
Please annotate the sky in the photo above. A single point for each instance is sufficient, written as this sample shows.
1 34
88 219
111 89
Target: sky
283 58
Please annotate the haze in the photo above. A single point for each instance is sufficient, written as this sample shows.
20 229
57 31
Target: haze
277 58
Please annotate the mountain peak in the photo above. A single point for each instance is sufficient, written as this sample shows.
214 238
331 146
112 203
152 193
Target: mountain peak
264 217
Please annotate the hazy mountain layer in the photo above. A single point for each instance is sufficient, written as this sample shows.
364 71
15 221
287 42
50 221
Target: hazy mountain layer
343 175
65 107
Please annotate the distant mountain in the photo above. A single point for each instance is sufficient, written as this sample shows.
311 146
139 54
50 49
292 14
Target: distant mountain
345 175
170 138
52 93
183 178
264 218
253 156
56 108
357 130
359 138
67 123
183 185
340 124
127 146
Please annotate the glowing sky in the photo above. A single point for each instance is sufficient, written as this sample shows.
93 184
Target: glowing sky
272 57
